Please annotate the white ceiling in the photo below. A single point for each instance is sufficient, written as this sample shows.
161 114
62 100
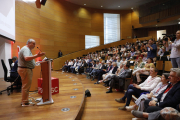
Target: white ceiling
110 4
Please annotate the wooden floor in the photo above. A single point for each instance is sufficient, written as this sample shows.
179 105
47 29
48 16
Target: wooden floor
100 106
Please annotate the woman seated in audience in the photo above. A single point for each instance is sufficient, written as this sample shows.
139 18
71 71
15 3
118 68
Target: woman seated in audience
123 49
144 56
145 70
103 55
152 95
132 52
142 46
138 65
148 85
139 55
108 59
114 59
110 51
82 67
123 62
110 73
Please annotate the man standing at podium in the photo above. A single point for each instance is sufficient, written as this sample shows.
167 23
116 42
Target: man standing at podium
25 65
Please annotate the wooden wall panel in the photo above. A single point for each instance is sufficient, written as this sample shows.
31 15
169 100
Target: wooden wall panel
61 25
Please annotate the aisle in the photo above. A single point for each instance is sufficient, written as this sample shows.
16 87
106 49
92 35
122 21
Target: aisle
102 106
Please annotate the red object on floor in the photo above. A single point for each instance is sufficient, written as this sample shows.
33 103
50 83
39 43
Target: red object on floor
54 84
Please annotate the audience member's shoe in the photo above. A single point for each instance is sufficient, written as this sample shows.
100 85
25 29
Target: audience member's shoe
138 119
77 73
120 100
104 84
129 108
27 104
92 79
109 91
122 108
138 114
108 88
96 83
100 81
117 90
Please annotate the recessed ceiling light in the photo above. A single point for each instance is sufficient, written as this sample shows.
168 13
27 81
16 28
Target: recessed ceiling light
101 6
156 25
118 6
178 22
84 4
132 8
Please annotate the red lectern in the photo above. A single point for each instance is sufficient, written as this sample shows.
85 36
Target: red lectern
46 84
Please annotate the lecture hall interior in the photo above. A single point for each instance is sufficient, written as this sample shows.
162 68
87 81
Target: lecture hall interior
93 59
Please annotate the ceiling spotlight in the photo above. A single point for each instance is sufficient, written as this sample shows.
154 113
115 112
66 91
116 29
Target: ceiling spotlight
132 8
84 4
156 25
101 6
178 22
118 6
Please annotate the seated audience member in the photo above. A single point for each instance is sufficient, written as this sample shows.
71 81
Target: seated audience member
88 70
123 49
71 63
103 55
169 97
78 66
119 77
104 71
149 84
118 61
139 55
108 59
110 73
145 57
102 68
145 70
123 62
114 59
94 71
138 64
74 66
152 95
162 52
128 56
132 52
64 68
14 59
14 74
82 67
167 113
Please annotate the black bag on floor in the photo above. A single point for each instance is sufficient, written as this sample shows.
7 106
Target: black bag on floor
87 93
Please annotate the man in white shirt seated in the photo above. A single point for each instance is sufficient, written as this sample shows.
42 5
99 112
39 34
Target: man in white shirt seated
149 84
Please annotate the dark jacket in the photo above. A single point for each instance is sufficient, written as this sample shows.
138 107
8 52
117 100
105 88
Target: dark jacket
60 54
124 74
103 67
108 68
172 99
114 70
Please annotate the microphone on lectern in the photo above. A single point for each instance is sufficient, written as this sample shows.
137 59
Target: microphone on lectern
44 54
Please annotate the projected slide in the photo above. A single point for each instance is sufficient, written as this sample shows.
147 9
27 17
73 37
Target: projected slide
7 18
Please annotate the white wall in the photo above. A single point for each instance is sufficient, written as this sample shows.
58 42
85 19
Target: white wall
5 54
159 34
